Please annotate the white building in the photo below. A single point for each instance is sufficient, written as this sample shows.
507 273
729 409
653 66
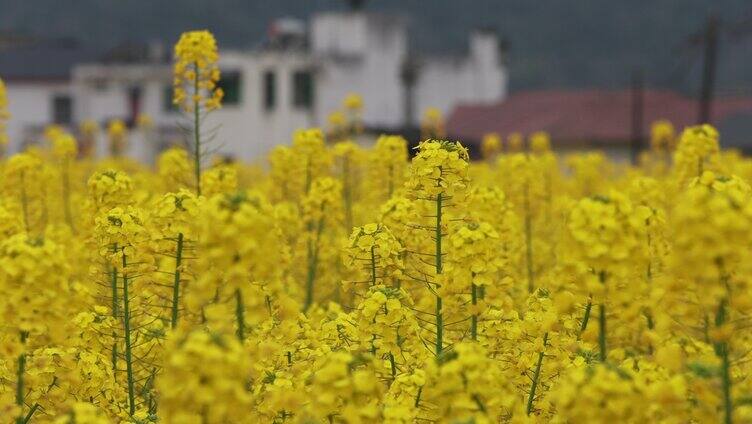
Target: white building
292 80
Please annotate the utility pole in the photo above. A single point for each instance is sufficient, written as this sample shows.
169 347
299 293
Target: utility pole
708 70
638 111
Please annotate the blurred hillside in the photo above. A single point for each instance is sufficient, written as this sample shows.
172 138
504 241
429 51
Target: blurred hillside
552 43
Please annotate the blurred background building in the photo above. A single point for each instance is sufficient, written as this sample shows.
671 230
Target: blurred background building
593 74
299 74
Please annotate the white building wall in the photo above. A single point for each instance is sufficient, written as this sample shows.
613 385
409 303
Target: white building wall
339 34
441 82
102 95
444 82
382 84
247 130
360 53
30 108
349 52
488 75
335 78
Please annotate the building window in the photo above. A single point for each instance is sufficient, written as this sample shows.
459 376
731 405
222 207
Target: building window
134 103
302 82
270 90
230 83
62 109
167 94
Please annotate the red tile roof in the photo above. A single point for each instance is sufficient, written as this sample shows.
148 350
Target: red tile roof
581 117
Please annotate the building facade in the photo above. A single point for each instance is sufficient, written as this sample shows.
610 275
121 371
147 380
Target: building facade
294 79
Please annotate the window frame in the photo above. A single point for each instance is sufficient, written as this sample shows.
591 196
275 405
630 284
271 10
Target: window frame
168 94
238 76
64 97
302 79
269 88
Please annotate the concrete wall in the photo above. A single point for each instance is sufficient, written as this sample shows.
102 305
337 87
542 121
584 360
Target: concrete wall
244 130
444 82
102 94
360 53
30 107
349 52
247 130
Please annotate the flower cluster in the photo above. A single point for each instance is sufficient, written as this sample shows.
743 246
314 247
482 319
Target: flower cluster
440 167
349 283
197 72
696 152
375 250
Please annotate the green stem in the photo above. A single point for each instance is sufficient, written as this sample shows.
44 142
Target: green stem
373 266
115 312
373 336
310 277
240 315
31 413
529 242
706 328
474 318
347 192
649 319
308 176
20 389
313 259
196 131
25 203
390 186
439 326
602 322
439 265
585 318
700 167
392 365
479 402
602 332
66 195
722 352
268 302
728 405
536 376
176 282
128 346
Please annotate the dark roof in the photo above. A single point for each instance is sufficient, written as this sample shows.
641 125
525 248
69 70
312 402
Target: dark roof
49 60
586 116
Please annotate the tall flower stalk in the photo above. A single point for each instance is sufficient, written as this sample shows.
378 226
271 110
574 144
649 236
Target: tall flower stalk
122 233
712 220
606 236
322 208
439 174
65 149
196 74
175 215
